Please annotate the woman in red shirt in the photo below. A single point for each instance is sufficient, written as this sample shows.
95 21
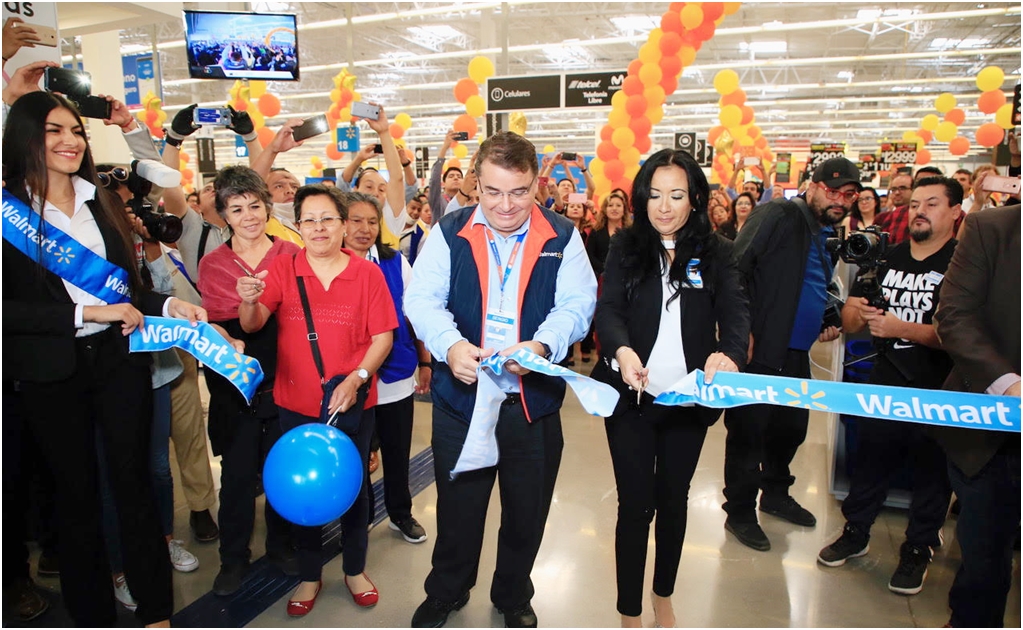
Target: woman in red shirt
354 318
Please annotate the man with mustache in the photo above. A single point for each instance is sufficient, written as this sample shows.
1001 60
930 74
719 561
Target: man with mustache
910 281
786 270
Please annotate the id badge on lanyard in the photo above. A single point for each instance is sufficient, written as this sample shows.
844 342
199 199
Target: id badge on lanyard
500 329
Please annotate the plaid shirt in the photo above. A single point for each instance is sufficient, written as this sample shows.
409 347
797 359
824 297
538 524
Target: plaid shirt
896 223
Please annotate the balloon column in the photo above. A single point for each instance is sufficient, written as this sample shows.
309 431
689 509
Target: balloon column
260 105
340 110
737 130
187 174
152 115
654 75
992 101
467 92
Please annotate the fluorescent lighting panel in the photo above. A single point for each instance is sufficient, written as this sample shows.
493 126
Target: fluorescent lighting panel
763 47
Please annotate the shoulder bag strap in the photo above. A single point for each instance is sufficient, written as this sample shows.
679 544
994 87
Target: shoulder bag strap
312 336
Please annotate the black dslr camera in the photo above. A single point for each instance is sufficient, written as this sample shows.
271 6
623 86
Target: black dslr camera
866 248
165 228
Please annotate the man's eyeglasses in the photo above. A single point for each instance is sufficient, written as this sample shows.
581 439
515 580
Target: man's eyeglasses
517 195
109 179
833 194
327 222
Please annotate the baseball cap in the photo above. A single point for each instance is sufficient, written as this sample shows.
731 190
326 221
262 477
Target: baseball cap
837 172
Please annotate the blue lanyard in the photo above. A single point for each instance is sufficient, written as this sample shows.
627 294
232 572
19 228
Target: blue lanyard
504 273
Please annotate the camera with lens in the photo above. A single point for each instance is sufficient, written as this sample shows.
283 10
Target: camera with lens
165 228
162 227
866 247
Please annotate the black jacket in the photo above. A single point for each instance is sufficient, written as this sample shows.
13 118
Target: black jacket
39 316
770 253
719 308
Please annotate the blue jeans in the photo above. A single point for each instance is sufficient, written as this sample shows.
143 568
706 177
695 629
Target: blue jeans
160 476
986 531
309 540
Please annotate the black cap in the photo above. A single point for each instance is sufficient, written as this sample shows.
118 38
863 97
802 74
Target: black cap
837 172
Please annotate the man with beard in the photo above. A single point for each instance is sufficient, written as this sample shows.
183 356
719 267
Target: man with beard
896 220
781 256
910 280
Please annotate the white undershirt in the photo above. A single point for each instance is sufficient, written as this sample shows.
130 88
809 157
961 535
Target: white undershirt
667 360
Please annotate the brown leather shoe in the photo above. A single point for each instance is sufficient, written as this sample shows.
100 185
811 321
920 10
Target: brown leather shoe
28 603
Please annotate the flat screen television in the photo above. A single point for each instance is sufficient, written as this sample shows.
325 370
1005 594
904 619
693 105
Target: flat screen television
227 45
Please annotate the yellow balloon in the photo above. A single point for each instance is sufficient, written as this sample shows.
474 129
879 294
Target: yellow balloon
475 106
631 171
404 121
944 103
480 69
990 78
257 88
618 118
910 136
345 115
730 115
726 82
623 138
691 15
548 148
654 95
655 114
629 155
516 123
746 141
688 55
1004 116
461 151
649 53
619 98
946 131
654 37
650 74
356 96
930 122
258 121
732 7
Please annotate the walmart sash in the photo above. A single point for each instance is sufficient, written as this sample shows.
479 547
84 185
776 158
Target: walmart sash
903 404
62 254
480 447
204 343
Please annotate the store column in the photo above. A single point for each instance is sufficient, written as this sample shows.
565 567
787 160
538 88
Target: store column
101 57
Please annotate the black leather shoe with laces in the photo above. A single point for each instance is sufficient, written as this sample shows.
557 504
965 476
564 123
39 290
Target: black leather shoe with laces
519 616
786 507
433 613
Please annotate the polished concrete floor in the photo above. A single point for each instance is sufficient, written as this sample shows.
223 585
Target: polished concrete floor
721 583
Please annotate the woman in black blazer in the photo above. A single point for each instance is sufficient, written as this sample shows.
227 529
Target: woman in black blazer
66 354
669 282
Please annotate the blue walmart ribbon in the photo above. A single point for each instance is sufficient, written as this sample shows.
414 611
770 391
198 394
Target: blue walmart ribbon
62 254
205 344
903 404
480 447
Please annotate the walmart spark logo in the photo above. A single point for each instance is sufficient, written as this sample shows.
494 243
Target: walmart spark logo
242 368
350 133
798 401
64 255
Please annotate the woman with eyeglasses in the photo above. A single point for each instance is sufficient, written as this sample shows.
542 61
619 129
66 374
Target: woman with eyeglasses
741 207
66 348
353 317
864 211
239 432
671 291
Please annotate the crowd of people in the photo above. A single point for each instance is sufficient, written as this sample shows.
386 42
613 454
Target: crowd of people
253 55
357 294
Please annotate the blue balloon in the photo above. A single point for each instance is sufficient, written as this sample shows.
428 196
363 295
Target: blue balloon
313 474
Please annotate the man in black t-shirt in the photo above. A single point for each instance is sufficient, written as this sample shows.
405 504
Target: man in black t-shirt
910 281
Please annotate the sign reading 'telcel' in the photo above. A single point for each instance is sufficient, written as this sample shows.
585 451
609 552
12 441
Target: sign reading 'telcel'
592 89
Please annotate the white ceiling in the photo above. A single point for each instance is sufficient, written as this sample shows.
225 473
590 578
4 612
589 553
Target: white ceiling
851 72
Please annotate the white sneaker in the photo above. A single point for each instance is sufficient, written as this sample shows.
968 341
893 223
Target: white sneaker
181 558
122 593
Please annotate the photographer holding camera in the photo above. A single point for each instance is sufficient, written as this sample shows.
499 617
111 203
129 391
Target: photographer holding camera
909 278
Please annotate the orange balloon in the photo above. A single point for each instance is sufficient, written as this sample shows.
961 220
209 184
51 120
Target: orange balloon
642 144
959 146
671 22
397 131
187 174
184 157
990 101
670 43
241 105
269 105
704 31
668 84
713 10
923 156
641 126
989 134
466 123
465 88
714 134
266 135
614 169
346 97
634 67
925 135
747 115
607 151
636 105
632 86
332 151
738 97
605 134
151 116
671 66
955 116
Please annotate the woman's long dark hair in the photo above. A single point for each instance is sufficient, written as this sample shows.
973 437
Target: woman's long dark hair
643 254
27 177
855 212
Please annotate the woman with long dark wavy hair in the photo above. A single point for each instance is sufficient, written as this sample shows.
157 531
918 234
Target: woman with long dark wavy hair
669 285
66 357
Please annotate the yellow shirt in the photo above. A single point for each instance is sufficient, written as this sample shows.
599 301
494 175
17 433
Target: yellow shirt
275 228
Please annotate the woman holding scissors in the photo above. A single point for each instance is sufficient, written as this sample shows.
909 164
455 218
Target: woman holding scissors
669 282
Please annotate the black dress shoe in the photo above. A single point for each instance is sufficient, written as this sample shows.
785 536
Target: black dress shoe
519 616
433 613
786 507
749 534
25 600
230 579
204 528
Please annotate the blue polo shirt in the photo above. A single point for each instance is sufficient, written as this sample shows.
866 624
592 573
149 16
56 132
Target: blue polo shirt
813 296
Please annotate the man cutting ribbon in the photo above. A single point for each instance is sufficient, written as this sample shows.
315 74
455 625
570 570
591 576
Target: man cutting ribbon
497 278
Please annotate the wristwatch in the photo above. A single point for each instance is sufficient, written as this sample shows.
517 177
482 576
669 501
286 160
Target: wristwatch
363 374
546 350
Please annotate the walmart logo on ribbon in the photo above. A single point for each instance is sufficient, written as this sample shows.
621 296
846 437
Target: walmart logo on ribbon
904 404
205 344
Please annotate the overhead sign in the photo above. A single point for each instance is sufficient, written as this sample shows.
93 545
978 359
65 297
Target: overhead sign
593 88
783 168
240 148
699 149
507 94
347 138
897 153
139 78
823 151
422 162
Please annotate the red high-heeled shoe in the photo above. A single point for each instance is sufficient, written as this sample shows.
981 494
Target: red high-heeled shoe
298 608
366 598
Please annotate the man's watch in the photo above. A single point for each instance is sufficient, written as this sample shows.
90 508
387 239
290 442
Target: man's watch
363 374
546 350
